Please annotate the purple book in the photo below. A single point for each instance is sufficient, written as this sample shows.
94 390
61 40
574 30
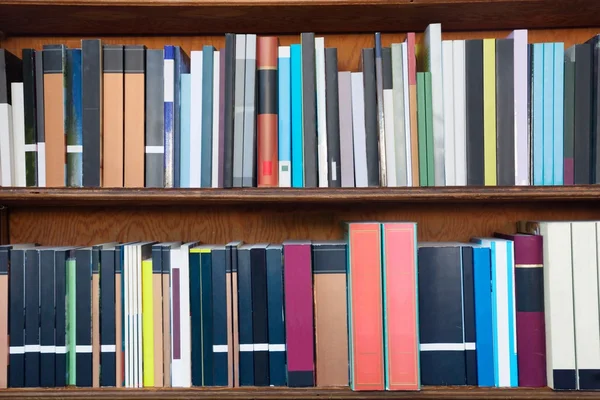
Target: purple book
529 293
299 326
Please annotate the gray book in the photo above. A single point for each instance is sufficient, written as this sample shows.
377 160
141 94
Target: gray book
333 118
207 116
380 111
238 123
399 112
346 135
155 126
249 148
505 113
370 104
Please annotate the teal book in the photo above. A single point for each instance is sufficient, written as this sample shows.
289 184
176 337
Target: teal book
297 141
186 103
537 115
71 323
206 144
73 118
207 316
548 105
559 127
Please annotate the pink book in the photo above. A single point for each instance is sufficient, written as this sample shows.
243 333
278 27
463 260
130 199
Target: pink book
299 325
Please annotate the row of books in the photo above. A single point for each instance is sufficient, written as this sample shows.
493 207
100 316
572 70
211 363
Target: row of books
441 112
506 311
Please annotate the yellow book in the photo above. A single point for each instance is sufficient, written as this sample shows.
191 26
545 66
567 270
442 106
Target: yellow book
489 111
147 324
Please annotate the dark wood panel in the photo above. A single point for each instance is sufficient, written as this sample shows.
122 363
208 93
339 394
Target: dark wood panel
192 17
276 222
458 393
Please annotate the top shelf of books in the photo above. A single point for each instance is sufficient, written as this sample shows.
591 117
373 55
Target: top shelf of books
204 17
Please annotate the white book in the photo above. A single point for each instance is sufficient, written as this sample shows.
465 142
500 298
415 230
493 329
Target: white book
321 112
6 162
433 63
215 132
359 135
522 165
186 329
134 322
196 119
448 98
126 280
18 131
584 242
178 373
390 142
460 113
399 142
407 127
558 299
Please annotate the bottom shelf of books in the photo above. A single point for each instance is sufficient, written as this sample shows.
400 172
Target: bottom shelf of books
377 315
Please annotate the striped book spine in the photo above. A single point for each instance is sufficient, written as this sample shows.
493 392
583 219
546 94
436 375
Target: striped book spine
299 303
401 339
267 119
70 328
277 354
220 313
60 292
284 127
206 316
83 317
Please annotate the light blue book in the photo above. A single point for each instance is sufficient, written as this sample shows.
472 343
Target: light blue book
186 103
548 135
73 118
559 127
284 117
207 114
484 342
297 140
538 114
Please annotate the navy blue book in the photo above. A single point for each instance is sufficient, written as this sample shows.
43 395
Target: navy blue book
260 325
246 336
219 310
108 356
47 318
469 316
206 314
196 317
16 318
277 368
441 327
83 312
32 318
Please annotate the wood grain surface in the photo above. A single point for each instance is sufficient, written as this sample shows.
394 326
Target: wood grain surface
430 393
348 45
192 17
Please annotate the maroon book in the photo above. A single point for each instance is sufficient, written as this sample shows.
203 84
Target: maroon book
529 293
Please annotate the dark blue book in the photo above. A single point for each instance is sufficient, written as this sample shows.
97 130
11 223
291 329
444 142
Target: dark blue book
108 356
441 327
260 325
469 316
196 317
219 310
277 368
206 314
246 336
60 292
16 318
47 318
83 317
32 318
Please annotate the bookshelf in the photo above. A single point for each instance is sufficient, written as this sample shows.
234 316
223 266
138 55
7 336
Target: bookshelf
56 216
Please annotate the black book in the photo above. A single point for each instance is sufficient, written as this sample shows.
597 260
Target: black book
155 126
595 86
91 121
371 131
246 331
83 312
16 317
583 139
469 316
39 119
108 360
505 112
474 103
219 314
60 292
569 115
333 118
260 325
29 103
309 109
229 97
32 318
11 70
47 318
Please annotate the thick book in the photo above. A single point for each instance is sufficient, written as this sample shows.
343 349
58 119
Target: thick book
484 337
299 303
331 318
260 324
475 115
267 121
309 109
334 169
233 332
108 343
246 341
197 337
30 118
113 106
275 316
91 120
346 138
16 324
155 117
134 134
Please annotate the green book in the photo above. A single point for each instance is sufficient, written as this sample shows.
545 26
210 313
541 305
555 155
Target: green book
71 323
429 129
421 128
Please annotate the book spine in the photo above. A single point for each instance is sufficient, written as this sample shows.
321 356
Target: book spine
119 316
399 113
220 313
548 115
113 122
169 115
381 136
222 105
54 112
73 120
449 94
47 317
569 115
134 149
309 109
537 113
32 319
155 119
30 120
39 118
71 328
358 126
441 327
194 149
18 135
83 310
333 118
91 120
185 379
148 323
16 325
331 317
401 338
207 318
482 275
249 135
268 161
198 357
520 68
505 110
299 303
246 347
475 113
229 109
107 319
559 93
460 112
4 316
260 326
411 77
489 112
157 303
408 109
60 293
185 172
297 159
429 125
370 116
167 315
346 140
95 297
388 108
276 320
182 66
284 121
422 129
469 316
582 140
216 120
238 130
231 264
320 88
365 307
206 145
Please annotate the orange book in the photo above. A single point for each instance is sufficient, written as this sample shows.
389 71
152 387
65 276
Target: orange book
365 324
56 150
113 122
401 340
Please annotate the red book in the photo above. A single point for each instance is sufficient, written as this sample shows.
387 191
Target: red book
266 122
365 306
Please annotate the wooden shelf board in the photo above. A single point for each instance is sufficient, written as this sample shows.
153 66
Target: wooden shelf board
194 17
26 197
457 393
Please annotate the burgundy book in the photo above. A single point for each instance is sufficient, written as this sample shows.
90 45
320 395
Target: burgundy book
299 325
529 293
